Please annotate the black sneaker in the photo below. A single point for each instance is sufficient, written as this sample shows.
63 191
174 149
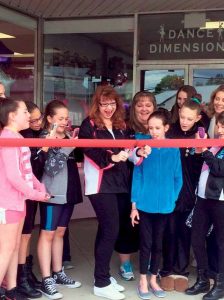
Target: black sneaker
49 290
61 278
13 294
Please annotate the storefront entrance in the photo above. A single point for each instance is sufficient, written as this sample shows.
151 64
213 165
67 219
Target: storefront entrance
164 80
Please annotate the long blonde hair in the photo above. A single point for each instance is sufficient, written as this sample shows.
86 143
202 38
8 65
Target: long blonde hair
211 110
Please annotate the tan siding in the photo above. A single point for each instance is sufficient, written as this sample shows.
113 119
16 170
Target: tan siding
92 8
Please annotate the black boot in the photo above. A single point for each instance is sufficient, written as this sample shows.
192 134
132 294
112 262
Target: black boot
23 285
217 291
31 277
13 294
2 293
202 285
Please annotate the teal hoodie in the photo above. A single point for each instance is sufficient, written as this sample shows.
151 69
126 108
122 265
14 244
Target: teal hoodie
157 181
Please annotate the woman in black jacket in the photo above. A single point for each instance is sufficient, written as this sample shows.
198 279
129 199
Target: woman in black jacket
106 182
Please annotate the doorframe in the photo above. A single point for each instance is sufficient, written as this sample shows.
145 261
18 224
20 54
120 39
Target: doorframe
187 65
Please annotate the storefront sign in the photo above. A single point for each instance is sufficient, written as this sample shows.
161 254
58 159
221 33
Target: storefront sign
170 40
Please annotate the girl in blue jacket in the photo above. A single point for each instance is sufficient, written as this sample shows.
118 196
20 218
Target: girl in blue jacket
155 188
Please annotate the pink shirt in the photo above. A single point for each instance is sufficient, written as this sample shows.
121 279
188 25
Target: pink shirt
17 181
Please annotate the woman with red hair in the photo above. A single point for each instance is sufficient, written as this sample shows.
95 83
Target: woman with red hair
107 183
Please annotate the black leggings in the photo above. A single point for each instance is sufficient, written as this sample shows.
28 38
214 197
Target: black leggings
207 212
31 210
106 207
151 236
176 245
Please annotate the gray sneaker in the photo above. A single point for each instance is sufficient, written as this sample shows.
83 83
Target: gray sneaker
68 265
49 290
61 278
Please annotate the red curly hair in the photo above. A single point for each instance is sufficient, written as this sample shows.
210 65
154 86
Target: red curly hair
107 92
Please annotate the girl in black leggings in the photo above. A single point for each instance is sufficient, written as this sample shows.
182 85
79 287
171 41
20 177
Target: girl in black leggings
209 209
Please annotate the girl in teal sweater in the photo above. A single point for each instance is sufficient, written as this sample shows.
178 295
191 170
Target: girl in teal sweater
155 188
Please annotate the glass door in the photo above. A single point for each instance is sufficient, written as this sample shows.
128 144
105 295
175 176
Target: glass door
206 78
163 81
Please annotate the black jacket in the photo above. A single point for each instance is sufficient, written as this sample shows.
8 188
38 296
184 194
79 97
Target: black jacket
111 177
215 182
191 167
37 157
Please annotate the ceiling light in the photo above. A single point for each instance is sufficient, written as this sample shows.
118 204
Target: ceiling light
16 54
6 36
213 25
26 68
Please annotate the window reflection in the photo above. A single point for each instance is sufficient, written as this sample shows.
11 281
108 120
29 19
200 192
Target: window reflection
74 64
17 61
164 84
207 80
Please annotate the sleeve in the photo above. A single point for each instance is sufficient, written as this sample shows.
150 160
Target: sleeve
216 165
134 158
136 183
38 185
197 165
10 159
178 180
100 156
78 155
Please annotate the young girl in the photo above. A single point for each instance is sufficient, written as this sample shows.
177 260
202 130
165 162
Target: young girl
184 93
26 280
177 237
209 209
62 181
151 209
215 107
17 184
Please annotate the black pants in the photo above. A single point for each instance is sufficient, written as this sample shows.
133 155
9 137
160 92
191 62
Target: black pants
106 207
212 250
207 212
176 245
128 236
151 235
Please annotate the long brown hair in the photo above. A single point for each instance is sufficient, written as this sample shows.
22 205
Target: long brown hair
211 110
190 91
50 110
134 123
107 92
6 107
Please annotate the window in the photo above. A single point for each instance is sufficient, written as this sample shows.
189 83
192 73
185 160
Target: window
76 63
17 55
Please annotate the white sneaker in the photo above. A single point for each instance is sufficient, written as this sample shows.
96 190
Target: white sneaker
108 292
117 286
